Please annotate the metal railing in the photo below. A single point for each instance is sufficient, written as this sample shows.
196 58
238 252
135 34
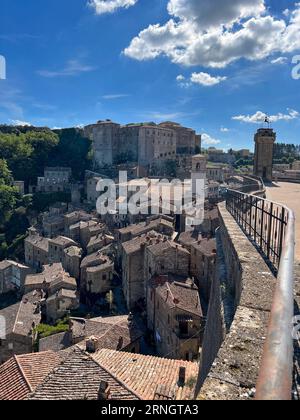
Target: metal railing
271 228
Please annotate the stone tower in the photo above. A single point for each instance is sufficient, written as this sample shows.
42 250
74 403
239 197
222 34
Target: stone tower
199 163
264 146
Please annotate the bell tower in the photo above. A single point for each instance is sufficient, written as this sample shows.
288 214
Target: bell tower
264 146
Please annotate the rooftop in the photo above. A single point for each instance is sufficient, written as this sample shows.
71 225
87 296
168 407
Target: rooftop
62 241
206 246
140 228
96 259
21 316
108 331
145 373
183 295
38 241
79 377
20 375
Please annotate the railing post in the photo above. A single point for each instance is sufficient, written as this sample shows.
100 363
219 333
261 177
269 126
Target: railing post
270 231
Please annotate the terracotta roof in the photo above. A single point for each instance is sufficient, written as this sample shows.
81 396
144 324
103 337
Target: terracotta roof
144 373
20 316
78 377
159 248
20 375
108 331
62 241
144 227
39 242
182 295
53 275
206 246
96 259
55 342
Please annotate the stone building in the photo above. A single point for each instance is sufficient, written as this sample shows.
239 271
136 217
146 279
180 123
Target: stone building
72 260
52 279
53 220
203 264
263 160
12 276
133 267
21 319
57 247
120 333
98 242
198 174
218 173
143 144
185 138
105 139
97 272
55 179
175 317
73 218
58 305
36 250
20 185
164 257
91 189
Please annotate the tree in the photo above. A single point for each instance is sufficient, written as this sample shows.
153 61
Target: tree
8 200
5 173
73 150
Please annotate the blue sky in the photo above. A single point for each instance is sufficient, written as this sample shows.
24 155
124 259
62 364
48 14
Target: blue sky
70 63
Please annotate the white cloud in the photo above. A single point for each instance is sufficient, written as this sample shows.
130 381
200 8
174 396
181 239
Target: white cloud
19 123
110 6
224 130
216 33
206 79
260 117
115 96
180 78
279 60
72 68
208 140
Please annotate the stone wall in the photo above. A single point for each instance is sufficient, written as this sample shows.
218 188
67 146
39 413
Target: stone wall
251 285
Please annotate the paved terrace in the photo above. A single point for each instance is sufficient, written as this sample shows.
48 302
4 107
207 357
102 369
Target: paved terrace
289 195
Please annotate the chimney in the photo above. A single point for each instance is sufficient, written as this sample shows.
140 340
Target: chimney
92 345
104 391
130 319
120 343
181 379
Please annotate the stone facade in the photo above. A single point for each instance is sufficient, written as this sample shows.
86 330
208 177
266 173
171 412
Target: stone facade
57 247
263 161
144 144
185 138
246 286
59 304
72 260
12 276
36 250
97 272
21 319
133 267
203 264
54 180
174 316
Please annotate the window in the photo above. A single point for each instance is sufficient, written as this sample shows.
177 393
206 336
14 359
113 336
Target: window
183 328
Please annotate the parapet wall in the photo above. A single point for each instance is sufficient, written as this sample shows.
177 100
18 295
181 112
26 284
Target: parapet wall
251 285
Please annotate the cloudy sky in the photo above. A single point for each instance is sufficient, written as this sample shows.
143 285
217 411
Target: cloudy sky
215 65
